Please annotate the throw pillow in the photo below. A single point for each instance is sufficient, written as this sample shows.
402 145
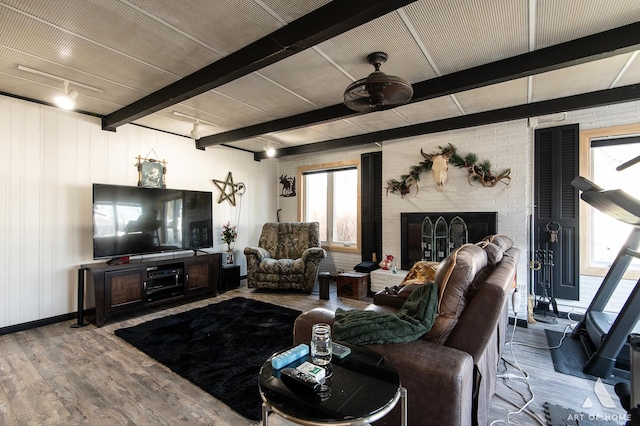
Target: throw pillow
421 272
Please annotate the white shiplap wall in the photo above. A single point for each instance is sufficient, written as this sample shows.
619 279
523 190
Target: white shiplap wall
49 160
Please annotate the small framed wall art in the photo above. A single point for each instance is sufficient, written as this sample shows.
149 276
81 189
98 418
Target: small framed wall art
151 172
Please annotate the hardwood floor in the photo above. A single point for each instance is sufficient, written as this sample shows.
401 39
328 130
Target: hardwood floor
57 375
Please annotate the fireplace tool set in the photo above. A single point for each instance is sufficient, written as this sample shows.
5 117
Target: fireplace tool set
543 264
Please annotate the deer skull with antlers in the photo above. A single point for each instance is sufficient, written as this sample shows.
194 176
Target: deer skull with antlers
440 164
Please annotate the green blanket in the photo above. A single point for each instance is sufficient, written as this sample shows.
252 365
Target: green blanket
414 319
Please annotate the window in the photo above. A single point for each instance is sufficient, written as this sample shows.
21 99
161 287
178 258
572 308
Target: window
601 151
330 196
609 234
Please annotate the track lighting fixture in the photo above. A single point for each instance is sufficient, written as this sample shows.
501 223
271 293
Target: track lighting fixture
271 151
195 132
68 99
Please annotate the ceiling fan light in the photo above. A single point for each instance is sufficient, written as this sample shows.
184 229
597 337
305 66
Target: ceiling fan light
378 91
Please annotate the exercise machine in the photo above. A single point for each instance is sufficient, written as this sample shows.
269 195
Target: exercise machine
604 335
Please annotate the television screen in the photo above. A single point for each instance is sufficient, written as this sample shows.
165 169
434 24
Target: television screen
132 220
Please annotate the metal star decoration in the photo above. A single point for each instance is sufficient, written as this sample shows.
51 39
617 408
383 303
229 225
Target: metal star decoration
222 186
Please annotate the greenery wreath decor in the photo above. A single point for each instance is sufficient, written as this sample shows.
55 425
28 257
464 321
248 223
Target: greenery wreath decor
478 172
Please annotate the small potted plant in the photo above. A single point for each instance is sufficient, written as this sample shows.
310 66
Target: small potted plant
229 235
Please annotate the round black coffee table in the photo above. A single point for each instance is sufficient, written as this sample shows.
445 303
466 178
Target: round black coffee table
363 387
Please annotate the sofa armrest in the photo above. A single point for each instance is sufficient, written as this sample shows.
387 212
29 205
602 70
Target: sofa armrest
259 252
304 323
383 298
313 253
439 379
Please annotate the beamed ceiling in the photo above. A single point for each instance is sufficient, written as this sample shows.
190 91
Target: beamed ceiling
260 72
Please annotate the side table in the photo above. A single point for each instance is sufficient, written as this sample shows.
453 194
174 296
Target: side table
363 387
353 285
229 278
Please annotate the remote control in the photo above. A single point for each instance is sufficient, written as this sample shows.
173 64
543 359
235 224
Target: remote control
288 356
299 380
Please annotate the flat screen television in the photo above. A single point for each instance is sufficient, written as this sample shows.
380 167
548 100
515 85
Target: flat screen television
133 220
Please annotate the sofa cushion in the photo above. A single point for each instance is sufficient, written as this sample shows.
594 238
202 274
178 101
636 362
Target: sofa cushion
494 252
502 241
454 278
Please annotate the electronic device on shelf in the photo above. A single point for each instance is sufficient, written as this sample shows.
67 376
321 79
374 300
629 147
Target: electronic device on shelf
164 281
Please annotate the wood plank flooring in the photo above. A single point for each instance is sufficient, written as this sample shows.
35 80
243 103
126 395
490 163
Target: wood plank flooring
57 375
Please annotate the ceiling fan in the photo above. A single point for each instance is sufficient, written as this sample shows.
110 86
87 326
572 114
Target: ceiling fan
378 91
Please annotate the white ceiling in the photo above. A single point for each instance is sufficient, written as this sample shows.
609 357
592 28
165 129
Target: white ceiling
132 48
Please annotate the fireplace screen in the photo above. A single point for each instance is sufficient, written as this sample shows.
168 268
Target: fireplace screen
432 236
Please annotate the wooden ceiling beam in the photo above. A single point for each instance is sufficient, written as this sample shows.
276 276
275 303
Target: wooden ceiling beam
322 24
590 48
552 106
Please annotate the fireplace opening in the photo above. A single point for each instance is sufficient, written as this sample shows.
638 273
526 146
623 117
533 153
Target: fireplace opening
432 236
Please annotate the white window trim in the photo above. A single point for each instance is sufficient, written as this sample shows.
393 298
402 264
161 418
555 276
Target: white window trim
301 199
585 214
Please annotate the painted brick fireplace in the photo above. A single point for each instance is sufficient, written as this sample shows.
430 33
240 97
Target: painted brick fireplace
448 231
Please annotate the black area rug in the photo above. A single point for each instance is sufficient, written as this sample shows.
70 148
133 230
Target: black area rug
560 416
570 358
219 347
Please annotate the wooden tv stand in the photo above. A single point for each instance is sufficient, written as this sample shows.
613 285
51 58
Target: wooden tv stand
125 287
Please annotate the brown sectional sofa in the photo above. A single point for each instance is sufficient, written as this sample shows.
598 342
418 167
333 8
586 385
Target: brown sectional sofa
450 373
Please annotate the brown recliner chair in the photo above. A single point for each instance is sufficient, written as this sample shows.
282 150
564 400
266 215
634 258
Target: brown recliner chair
287 256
